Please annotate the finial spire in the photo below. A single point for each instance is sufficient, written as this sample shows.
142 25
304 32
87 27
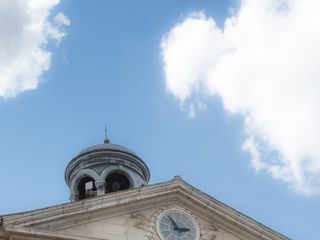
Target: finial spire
106 140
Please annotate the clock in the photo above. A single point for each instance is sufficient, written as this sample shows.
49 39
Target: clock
175 224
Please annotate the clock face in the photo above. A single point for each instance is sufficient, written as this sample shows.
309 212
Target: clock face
177 225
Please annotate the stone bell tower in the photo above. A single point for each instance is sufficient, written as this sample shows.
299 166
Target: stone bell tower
104 168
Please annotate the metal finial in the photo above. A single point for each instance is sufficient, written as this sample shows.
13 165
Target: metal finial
106 140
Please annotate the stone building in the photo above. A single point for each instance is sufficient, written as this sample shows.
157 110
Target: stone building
111 199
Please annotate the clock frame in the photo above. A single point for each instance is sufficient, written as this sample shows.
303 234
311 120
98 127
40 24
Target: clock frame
176 224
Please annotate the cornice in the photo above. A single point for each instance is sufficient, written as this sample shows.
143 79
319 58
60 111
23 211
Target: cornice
176 190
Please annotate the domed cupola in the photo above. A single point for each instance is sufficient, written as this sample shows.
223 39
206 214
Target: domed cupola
104 168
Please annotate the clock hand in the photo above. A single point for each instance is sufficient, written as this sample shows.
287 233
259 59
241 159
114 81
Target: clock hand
174 224
183 229
180 230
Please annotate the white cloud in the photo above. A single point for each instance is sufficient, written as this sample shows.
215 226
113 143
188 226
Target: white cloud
264 65
24 32
60 18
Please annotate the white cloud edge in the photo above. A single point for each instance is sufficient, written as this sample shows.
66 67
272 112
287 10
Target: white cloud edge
26 58
187 64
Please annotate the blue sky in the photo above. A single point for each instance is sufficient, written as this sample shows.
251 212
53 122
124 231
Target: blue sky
108 67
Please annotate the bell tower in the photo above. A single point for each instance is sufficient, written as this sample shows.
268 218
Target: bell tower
104 168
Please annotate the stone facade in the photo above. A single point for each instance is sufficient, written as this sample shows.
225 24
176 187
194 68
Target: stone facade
110 200
132 214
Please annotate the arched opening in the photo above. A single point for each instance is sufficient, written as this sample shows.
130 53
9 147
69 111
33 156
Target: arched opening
117 181
86 188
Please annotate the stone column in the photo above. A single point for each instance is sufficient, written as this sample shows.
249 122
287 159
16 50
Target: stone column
74 197
101 188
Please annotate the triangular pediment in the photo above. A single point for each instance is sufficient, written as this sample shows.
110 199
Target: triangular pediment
134 214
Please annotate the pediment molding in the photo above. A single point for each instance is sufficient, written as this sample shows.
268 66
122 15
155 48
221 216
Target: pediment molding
158 197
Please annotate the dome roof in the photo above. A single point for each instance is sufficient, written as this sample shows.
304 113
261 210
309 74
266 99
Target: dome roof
107 153
103 165
107 147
